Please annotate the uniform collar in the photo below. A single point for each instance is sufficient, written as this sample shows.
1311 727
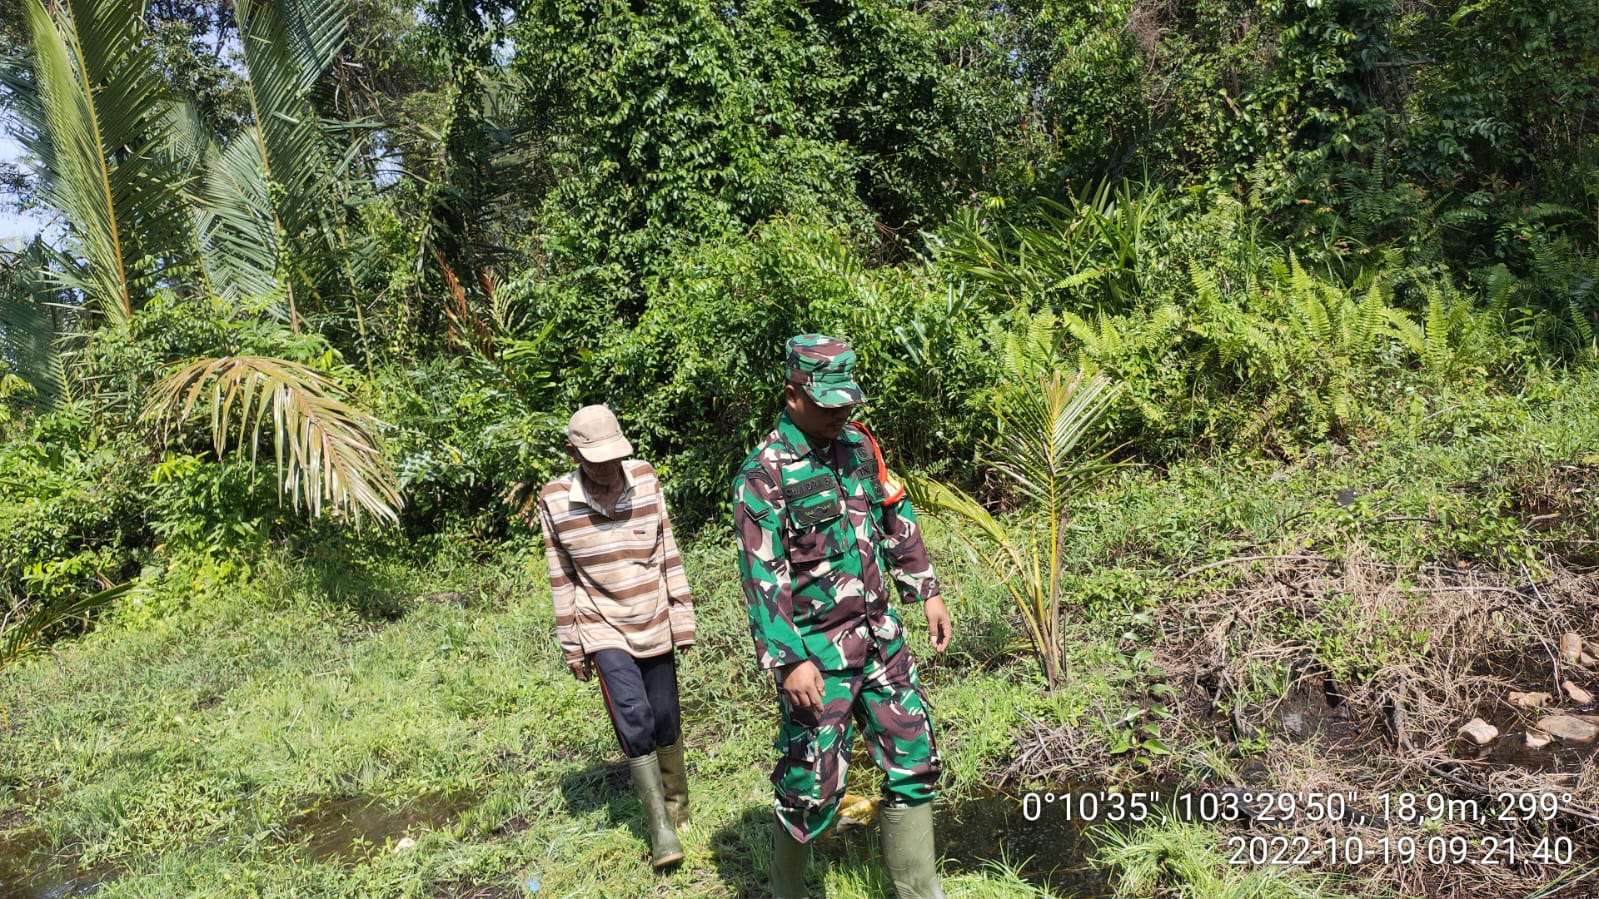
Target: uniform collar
579 495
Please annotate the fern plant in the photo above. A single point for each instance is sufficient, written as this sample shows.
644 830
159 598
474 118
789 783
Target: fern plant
1450 331
1556 285
1235 334
1332 339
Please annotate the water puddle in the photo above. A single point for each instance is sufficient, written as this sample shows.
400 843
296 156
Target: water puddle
1531 674
343 830
351 829
27 870
1051 851
1511 748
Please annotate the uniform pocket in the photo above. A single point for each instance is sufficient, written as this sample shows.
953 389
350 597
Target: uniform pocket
818 526
796 778
813 502
797 744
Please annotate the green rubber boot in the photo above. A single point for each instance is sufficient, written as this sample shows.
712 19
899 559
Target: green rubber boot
787 877
908 850
664 847
674 777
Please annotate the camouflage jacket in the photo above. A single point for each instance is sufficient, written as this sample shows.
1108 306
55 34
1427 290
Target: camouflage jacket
819 536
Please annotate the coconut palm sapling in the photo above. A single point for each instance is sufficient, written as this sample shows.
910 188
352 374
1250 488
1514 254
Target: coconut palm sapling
1047 447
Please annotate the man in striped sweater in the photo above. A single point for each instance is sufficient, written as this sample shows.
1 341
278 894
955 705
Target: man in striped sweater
622 607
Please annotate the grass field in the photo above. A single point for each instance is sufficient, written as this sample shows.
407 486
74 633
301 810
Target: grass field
284 726
275 743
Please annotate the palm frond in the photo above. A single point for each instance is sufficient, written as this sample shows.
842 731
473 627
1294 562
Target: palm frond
285 61
187 132
288 47
30 325
107 134
328 453
944 501
1045 432
1012 556
24 625
238 227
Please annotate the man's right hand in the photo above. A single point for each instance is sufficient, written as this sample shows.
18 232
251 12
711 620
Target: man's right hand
802 686
580 669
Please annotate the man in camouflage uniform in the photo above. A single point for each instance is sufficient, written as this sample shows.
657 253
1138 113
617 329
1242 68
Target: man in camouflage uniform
825 536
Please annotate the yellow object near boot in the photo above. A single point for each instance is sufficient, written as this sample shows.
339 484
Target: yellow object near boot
855 811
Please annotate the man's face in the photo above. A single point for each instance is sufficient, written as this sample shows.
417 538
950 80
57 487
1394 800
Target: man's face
819 423
603 474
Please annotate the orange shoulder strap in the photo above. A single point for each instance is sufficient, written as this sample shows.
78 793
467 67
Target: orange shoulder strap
894 490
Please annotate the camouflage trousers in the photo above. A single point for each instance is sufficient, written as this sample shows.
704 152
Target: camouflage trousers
886 698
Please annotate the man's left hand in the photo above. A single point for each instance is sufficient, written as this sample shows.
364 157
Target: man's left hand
939 628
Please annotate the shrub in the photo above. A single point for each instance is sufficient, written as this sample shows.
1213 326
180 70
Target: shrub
697 381
72 503
462 433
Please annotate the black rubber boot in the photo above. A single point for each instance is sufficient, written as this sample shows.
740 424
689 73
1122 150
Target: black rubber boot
664 846
787 876
908 850
674 778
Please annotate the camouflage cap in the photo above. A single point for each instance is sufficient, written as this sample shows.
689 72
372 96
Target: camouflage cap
825 367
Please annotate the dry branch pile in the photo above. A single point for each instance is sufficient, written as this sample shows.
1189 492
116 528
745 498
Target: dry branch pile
1353 676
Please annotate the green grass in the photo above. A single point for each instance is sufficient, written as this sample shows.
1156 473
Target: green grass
1170 858
182 740
183 752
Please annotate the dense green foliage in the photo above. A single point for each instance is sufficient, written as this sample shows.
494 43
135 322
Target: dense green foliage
1289 232
1261 220
636 204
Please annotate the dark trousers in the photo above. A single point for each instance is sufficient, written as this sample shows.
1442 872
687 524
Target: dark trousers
641 695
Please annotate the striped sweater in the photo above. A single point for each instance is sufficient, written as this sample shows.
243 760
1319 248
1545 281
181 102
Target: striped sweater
618 583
